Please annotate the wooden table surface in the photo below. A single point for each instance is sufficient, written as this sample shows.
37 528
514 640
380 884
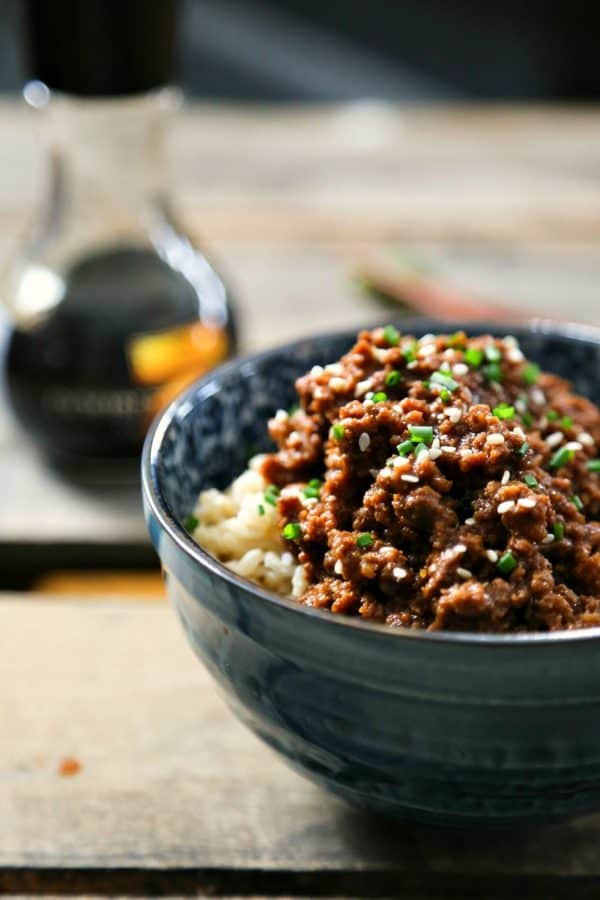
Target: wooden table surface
169 794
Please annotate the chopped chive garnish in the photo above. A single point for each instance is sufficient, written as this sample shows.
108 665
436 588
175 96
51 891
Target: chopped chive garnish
492 353
261 509
530 373
561 458
576 501
426 385
364 540
315 482
506 563
391 335
293 409
292 531
310 491
566 422
271 494
504 411
552 415
527 419
473 357
419 448
523 449
445 380
559 530
493 372
190 523
445 395
593 465
379 397
420 433
405 448
393 378
337 432
410 352
456 340
530 480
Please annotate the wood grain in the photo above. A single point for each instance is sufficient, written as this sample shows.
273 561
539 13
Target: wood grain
171 783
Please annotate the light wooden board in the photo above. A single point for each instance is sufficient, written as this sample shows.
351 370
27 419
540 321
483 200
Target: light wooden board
172 783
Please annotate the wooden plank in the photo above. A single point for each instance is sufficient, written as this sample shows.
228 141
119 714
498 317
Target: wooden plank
171 782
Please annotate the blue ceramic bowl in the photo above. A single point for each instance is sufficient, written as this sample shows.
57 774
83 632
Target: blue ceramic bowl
439 726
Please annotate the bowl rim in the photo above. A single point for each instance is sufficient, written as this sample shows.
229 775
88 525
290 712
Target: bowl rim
181 538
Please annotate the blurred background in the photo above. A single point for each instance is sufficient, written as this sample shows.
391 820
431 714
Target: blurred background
416 50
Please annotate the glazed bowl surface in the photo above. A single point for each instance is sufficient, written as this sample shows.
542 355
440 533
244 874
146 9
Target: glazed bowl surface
444 727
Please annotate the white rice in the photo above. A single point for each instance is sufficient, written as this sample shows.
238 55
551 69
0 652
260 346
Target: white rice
231 528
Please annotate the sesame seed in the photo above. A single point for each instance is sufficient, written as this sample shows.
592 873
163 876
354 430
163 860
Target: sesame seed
573 445
317 370
281 415
435 443
538 397
586 439
492 555
464 573
319 392
364 441
548 539
427 338
335 368
399 573
526 502
459 548
423 455
434 453
520 406
427 350
470 521
466 451
515 355
413 364
379 354
445 366
467 393
413 479
495 438
511 341
447 448
505 507
518 432
542 423
460 369
453 413
294 437
338 568
337 384
505 477
373 473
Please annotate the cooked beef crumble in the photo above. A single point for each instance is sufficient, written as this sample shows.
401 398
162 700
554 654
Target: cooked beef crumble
444 483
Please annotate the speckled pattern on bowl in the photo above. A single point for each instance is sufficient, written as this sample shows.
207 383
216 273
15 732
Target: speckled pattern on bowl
432 726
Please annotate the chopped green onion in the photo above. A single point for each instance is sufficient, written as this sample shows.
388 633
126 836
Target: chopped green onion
364 540
293 409
379 397
473 357
315 482
530 373
593 465
552 415
566 422
261 509
445 380
410 351
271 494
419 448
426 385
507 563
576 501
405 448
561 458
337 432
190 523
559 530
523 449
310 491
391 335
530 480
393 378
420 433
445 395
292 531
527 419
456 340
493 372
504 411
492 353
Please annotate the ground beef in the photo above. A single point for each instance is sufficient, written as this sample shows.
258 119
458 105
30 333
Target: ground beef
444 483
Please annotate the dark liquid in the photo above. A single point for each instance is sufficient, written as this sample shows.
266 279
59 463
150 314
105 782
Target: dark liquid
71 380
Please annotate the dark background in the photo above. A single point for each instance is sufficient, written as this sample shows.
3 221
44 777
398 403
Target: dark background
279 50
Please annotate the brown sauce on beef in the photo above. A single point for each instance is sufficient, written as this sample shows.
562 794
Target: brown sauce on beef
488 522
